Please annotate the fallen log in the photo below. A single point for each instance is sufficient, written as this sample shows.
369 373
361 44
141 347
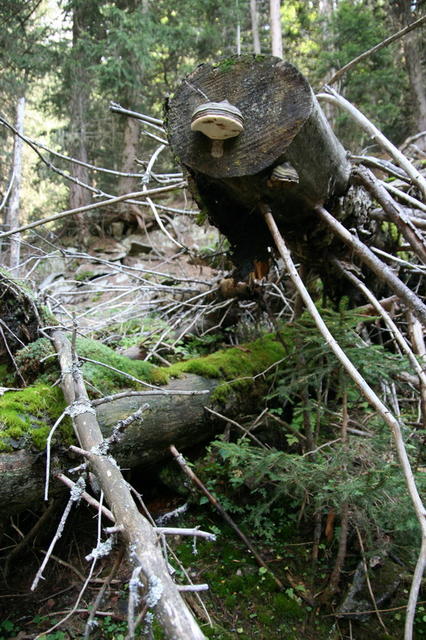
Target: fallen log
285 154
170 419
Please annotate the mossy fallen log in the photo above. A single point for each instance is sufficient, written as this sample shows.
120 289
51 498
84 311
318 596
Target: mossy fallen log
229 377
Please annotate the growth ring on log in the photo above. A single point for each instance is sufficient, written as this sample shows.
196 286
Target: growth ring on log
273 97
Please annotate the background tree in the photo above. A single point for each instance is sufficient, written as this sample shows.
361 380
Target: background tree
414 49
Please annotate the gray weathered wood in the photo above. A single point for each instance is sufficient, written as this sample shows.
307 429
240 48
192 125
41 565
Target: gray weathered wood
282 121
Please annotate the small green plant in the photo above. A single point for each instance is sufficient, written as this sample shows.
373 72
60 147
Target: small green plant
7 630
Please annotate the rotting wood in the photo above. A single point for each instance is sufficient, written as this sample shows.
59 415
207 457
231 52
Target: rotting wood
287 156
182 419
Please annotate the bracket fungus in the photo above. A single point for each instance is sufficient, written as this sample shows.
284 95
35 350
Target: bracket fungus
218 121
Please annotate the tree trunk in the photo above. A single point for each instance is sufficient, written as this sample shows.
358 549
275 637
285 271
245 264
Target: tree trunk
254 16
286 156
79 104
13 211
276 32
414 53
129 155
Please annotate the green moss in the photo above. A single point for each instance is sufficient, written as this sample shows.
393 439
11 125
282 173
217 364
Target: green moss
27 416
287 607
246 360
227 64
237 366
108 380
84 275
38 360
202 217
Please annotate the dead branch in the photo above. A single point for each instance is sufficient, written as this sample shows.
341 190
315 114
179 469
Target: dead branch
396 36
402 222
225 515
334 98
379 268
139 536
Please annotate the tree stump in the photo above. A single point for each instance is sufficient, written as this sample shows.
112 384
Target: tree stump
286 156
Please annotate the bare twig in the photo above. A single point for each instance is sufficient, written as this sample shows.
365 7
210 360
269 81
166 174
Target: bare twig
93 612
86 496
239 426
367 578
377 135
399 34
382 271
74 497
402 222
90 207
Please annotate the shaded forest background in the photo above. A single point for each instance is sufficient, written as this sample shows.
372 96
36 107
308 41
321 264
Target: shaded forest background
314 478
71 59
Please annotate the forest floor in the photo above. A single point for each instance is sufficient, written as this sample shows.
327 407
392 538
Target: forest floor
243 600
113 290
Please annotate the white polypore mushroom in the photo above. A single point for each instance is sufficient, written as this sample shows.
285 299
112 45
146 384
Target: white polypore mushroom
218 121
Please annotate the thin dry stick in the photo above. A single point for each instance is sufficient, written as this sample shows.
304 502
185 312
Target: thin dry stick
89 207
91 620
377 135
239 426
402 342
134 585
399 34
74 497
415 330
86 496
188 471
164 392
344 510
86 582
154 392
381 270
374 400
402 222
404 196
48 449
367 578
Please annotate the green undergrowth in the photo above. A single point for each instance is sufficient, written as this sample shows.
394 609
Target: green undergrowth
27 416
243 599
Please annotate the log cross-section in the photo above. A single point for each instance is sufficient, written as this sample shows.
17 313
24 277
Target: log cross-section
282 121
286 155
